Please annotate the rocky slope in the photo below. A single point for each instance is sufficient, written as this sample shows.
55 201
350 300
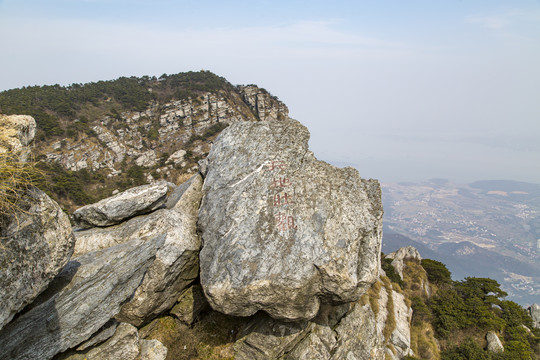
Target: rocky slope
301 280
97 138
264 252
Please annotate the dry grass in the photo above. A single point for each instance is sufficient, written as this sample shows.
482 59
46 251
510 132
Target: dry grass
212 338
15 178
373 294
423 342
390 324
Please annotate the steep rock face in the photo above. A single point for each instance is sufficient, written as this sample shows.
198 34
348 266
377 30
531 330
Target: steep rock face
133 134
35 244
401 336
534 310
83 297
268 108
113 210
287 228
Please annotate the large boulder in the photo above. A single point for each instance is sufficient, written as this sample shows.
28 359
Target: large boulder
176 264
36 242
282 230
82 298
113 210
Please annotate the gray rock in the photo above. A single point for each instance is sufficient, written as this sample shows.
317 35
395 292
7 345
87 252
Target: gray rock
494 343
135 201
81 299
189 203
399 257
190 304
280 229
357 336
123 345
401 336
102 334
177 262
35 244
534 310
267 338
152 350
310 348
16 133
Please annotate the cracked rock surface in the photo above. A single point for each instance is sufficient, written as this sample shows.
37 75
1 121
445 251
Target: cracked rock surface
283 231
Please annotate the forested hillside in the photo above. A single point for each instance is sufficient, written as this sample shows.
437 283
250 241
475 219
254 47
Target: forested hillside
452 319
96 138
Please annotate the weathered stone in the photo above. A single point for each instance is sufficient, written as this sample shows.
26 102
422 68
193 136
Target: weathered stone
35 244
135 201
267 338
190 304
310 348
152 350
124 344
494 343
280 229
177 262
189 193
357 336
534 310
177 157
399 257
401 336
81 299
101 335
16 133
265 105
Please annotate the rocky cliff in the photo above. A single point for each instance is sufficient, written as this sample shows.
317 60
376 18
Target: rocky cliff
97 138
266 253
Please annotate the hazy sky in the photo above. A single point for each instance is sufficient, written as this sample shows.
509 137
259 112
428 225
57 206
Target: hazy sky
402 90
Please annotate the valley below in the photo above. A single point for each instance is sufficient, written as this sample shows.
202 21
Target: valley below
482 229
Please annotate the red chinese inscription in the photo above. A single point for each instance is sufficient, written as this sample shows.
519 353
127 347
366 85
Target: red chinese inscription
283 199
285 222
277 164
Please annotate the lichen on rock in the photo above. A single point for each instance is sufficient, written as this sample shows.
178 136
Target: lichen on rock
282 230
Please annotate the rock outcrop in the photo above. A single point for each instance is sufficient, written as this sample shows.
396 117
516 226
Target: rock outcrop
16 133
173 122
282 230
289 243
111 211
534 310
36 242
83 297
494 344
176 264
399 257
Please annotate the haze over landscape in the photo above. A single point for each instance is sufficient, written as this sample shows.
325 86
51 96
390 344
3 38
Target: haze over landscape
404 91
